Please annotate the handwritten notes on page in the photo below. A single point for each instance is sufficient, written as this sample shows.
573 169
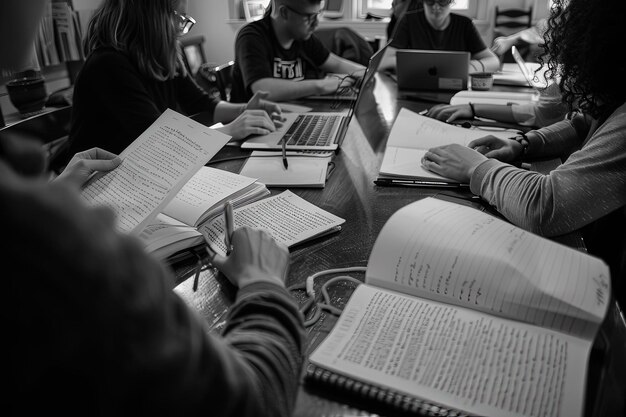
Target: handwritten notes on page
288 218
480 364
153 169
456 254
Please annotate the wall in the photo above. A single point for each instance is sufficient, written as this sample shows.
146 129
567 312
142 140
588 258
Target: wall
215 23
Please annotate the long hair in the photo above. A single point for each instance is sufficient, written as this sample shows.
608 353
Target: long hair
142 29
583 45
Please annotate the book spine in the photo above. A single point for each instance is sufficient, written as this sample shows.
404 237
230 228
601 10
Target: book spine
394 400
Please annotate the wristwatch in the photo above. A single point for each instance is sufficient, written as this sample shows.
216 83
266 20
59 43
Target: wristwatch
522 139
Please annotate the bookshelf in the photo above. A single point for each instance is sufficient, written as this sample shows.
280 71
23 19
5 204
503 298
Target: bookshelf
57 50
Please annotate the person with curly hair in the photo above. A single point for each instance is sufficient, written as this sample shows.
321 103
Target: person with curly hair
587 192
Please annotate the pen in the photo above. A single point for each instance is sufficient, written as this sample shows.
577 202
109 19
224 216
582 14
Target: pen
285 153
229 224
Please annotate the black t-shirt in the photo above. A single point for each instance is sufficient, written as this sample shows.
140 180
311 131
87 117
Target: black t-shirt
414 32
114 102
258 55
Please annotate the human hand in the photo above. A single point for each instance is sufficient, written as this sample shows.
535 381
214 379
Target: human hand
453 161
85 163
256 257
331 84
258 102
250 122
449 113
501 44
505 150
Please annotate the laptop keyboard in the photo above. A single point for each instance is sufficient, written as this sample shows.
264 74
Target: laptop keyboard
308 130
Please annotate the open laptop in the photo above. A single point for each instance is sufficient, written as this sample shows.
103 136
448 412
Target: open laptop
425 70
521 73
316 131
351 92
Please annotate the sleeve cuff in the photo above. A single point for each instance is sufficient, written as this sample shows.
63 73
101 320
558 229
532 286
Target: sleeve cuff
479 174
261 287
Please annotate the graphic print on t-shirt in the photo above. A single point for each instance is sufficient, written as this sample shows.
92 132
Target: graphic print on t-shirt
288 69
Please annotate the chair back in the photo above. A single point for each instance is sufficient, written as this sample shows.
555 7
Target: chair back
51 128
509 21
193 53
346 43
224 79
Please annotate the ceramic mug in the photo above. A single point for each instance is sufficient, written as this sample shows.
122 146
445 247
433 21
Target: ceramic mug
28 95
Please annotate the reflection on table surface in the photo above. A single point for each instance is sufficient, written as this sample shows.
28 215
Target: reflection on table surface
351 193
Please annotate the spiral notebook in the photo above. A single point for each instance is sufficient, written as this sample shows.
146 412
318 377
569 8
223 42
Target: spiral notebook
463 309
396 401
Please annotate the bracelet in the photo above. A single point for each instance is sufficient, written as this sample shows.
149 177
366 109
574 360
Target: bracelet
473 110
522 139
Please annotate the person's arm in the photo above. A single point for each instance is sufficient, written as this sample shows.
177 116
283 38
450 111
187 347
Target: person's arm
450 113
285 90
587 186
338 65
484 61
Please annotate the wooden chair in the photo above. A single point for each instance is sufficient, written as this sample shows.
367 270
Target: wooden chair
193 53
509 21
51 128
224 79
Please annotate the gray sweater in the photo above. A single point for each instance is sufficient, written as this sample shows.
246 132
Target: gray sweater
590 184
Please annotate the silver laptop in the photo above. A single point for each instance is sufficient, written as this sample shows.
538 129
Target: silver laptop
351 92
424 70
537 80
316 130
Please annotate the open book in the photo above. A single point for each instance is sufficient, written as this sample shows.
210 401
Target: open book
410 137
153 170
290 220
468 312
200 200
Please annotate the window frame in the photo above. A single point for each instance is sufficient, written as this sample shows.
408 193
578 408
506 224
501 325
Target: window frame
362 9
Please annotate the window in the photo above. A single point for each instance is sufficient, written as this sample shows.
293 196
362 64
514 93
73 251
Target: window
383 7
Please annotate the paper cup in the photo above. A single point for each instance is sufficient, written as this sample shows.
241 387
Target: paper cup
482 80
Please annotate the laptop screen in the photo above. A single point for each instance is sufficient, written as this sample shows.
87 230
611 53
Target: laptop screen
532 78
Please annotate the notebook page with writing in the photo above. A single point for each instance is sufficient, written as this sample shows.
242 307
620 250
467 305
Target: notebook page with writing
456 357
153 169
412 135
459 255
207 188
288 218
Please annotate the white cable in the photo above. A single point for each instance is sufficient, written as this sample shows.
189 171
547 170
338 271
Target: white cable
309 281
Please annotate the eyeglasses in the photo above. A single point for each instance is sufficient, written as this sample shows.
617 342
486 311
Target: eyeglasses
440 3
307 17
185 22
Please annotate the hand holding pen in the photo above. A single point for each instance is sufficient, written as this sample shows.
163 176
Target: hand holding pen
229 228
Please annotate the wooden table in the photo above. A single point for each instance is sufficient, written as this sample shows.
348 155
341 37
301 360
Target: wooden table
351 193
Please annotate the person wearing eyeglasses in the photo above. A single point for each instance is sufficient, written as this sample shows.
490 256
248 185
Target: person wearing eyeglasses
282 55
134 71
95 328
435 28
